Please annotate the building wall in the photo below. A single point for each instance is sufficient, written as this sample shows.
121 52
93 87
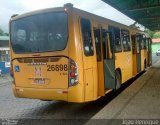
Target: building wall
4 55
4 67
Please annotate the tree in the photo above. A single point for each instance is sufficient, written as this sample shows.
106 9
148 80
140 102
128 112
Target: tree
1 32
150 33
156 35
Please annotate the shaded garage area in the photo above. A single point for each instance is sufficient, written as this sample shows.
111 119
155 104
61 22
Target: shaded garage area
135 100
145 12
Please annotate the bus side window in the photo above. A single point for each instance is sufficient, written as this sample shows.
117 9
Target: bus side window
107 45
125 40
143 42
104 44
110 45
118 46
87 37
145 46
147 41
133 38
117 39
138 44
149 45
97 38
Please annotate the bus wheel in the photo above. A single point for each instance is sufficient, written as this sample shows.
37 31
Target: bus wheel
145 65
117 80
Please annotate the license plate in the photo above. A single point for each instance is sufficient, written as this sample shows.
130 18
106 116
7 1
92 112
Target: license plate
39 81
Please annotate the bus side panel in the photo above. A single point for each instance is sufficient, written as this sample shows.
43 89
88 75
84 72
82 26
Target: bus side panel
76 93
89 62
124 62
100 74
150 52
143 57
134 64
88 76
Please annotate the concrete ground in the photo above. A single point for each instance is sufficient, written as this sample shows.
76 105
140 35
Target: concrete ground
4 79
138 99
141 100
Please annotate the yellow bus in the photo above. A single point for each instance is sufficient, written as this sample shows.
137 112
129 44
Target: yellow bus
141 50
71 55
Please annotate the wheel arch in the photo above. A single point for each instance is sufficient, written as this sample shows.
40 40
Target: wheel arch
145 63
119 70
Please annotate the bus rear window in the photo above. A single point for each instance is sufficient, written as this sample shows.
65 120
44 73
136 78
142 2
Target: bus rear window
40 33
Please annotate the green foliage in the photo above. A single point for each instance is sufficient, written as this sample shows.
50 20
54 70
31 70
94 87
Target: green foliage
1 32
153 34
156 35
150 33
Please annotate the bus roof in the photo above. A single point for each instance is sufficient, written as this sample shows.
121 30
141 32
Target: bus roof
68 5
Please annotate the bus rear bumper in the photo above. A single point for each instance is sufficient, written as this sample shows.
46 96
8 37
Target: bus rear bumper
43 94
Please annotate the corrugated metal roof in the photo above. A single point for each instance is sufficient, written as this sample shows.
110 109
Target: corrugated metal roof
4 38
145 12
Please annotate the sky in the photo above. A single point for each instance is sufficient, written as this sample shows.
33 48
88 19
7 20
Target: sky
98 7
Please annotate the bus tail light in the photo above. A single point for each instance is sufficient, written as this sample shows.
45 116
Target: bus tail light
72 67
73 73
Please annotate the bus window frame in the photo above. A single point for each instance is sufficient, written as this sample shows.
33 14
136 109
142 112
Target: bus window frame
110 45
134 45
91 33
138 42
99 48
41 51
112 30
108 54
143 38
150 45
128 36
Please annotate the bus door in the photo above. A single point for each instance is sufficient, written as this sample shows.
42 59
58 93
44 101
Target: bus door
134 53
149 52
138 53
100 70
89 60
109 60
147 45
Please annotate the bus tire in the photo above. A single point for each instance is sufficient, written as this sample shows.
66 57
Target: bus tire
145 64
117 80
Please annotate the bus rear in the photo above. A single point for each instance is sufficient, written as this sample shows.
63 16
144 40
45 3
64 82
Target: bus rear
41 66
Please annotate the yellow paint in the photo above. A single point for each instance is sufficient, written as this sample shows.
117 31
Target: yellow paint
143 57
123 60
90 72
